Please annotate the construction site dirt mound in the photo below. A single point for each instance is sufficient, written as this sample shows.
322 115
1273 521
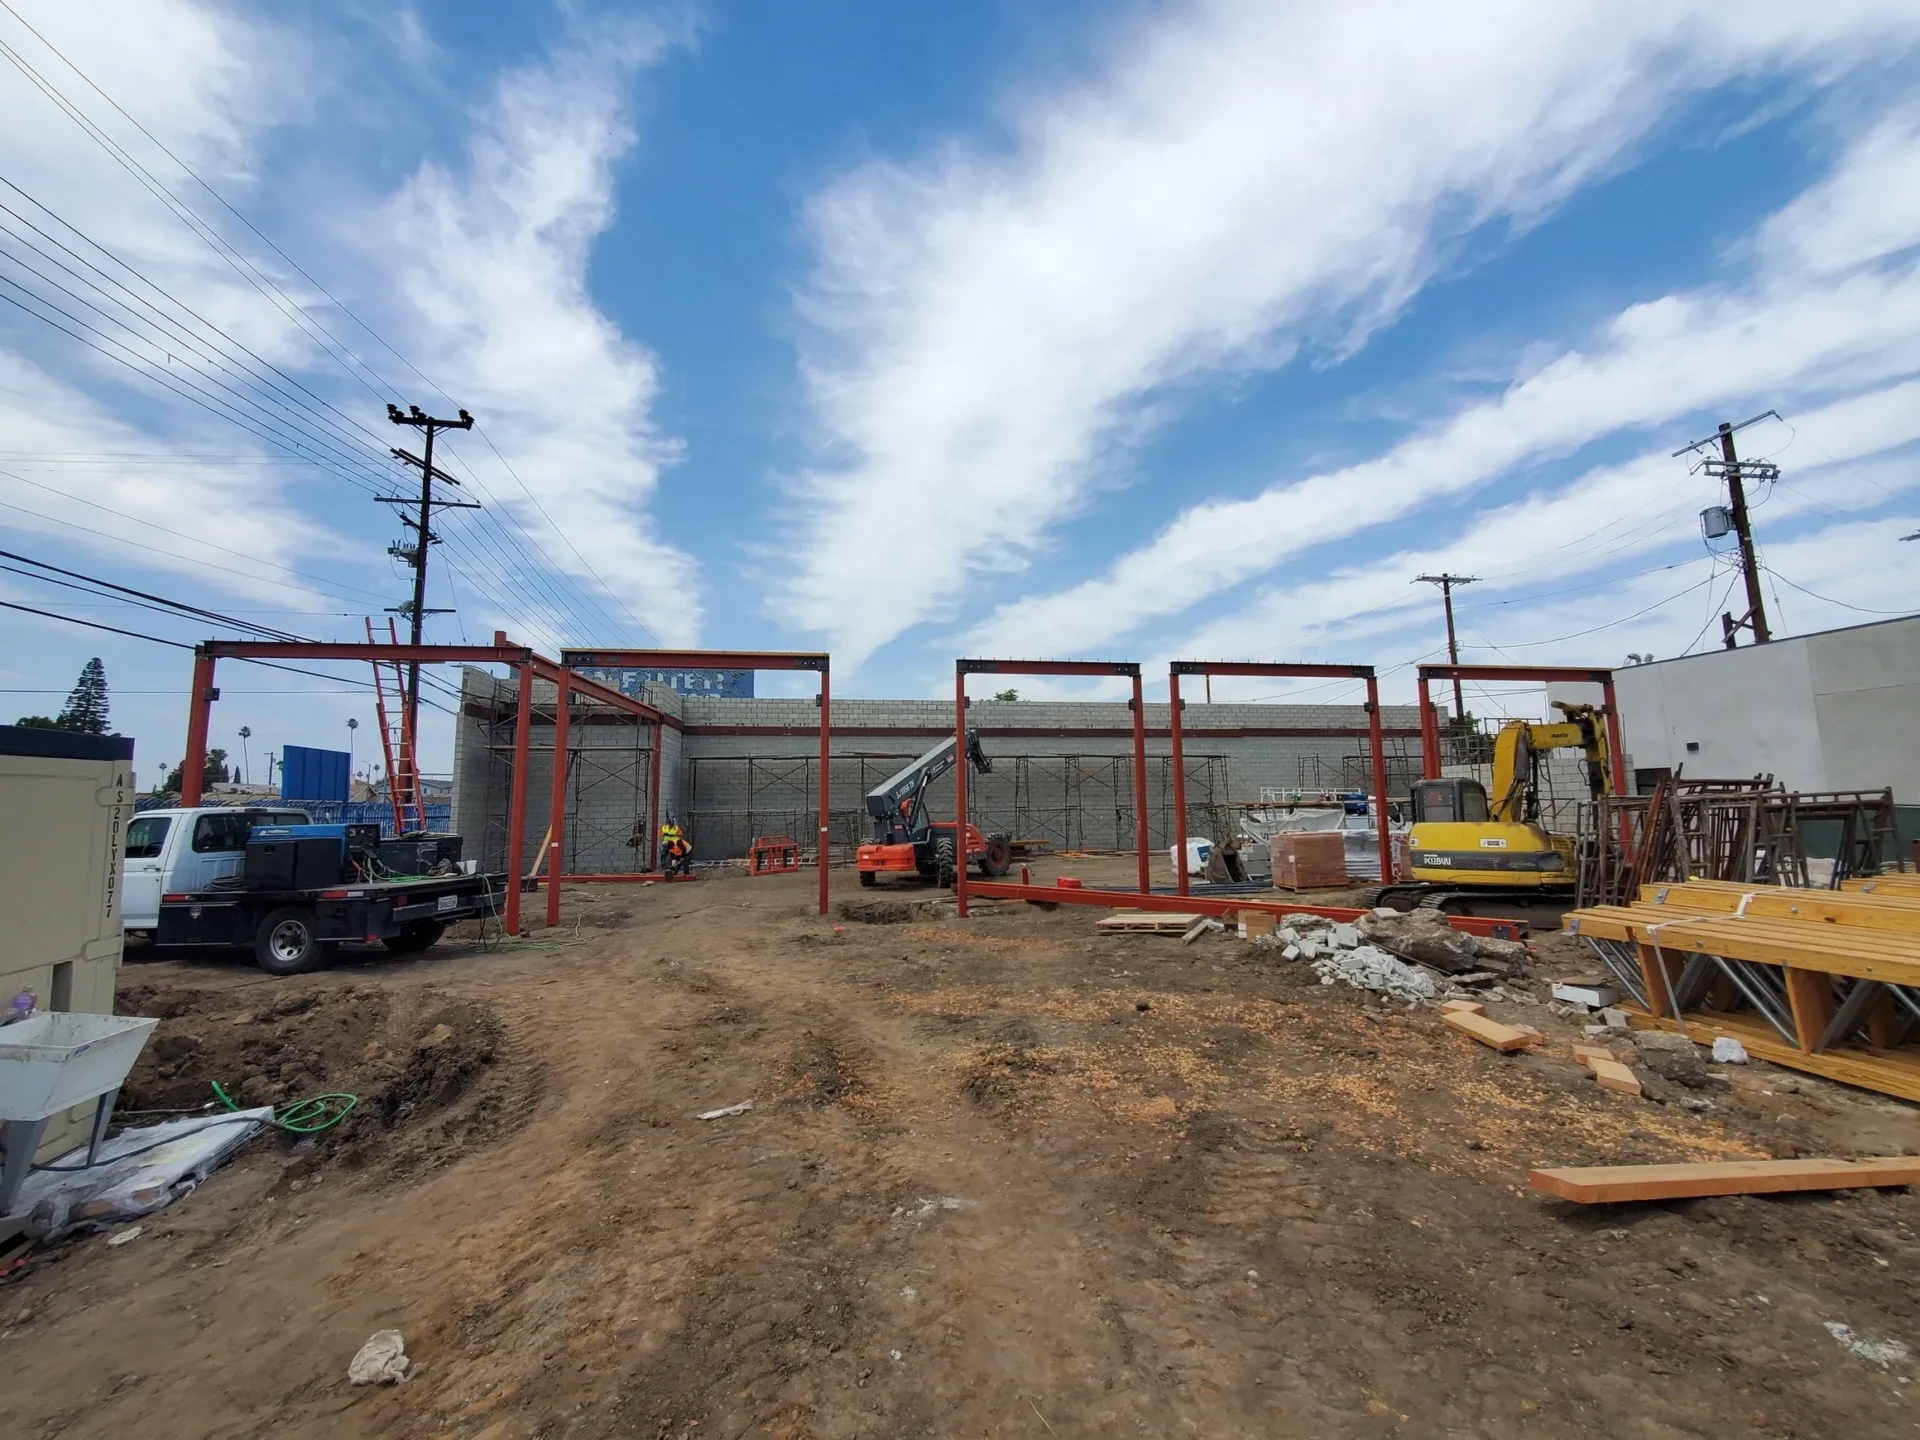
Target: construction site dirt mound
420 1064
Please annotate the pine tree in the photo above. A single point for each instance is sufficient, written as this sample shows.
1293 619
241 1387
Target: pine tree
86 708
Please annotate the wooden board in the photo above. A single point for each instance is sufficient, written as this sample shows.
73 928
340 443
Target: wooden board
1612 1075
1462 1007
1585 1051
1606 1184
1195 930
1504 1038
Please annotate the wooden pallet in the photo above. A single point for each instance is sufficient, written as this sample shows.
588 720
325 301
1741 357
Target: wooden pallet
1148 922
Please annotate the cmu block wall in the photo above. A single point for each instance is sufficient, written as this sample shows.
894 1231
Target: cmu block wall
1062 769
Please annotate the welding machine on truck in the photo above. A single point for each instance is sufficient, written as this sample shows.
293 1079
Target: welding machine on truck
301 890
907 841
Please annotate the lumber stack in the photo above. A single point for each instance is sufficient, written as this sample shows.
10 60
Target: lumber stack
1826 981
1308 859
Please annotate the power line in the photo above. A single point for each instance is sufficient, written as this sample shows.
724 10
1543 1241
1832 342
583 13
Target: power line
265 283
1828 600
95 625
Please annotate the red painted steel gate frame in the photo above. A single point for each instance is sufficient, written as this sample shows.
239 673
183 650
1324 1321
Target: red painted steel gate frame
1541 674
523 659
1175 728
964 668
819 662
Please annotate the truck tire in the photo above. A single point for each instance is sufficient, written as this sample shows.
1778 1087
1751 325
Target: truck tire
868 878
285 943
998 859
412 939
943 861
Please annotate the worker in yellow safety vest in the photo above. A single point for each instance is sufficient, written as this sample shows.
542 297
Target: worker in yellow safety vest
676 851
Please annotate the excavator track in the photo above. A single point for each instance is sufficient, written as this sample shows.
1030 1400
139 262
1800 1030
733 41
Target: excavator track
1540 911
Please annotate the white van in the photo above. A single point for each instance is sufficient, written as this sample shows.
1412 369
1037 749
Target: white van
169 851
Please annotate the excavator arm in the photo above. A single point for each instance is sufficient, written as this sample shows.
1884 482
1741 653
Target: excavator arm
1515 796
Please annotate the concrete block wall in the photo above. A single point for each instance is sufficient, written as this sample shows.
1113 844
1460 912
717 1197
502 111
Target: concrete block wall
740 768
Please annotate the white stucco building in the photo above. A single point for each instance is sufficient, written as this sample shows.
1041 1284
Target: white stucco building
1835 710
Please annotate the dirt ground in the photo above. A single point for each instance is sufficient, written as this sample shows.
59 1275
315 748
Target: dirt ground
1002 1177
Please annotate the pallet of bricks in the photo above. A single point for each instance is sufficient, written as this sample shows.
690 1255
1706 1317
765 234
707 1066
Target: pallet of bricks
1308 859
1826 981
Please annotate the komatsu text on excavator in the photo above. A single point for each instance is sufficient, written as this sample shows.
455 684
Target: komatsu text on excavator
1468 846
907 841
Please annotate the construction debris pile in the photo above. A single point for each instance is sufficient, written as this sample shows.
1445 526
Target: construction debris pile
1826 981
1411 956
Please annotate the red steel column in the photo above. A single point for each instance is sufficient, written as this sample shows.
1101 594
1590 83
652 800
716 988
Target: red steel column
826 789
517 809
199 713
557 810
1379 745
960 790
1179 784
1140 784
1429 734
652 847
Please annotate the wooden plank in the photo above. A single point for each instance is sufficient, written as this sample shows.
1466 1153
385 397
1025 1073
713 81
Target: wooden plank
1462 1007
1584 1052
1607 1184
1612 1075
1195 930
1504 1038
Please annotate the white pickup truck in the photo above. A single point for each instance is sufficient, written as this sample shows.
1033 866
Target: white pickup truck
171 851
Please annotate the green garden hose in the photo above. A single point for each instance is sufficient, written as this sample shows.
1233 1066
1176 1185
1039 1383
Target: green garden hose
304 1117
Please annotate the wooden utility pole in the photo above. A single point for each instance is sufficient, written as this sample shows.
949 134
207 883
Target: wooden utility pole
423 540
1736 472
1446 584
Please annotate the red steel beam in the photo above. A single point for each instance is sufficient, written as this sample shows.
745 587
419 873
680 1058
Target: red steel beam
1280 670
557 806
964 668
1544 673
696 659
1217 905
517 807
1047 667
363 651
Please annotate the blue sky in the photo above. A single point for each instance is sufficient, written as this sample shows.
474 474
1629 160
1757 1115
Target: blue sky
1143 332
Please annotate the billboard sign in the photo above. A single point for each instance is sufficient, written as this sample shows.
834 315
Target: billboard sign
718 684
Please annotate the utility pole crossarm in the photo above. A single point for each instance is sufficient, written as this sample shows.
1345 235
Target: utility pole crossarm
1736 472
416 610
1446 584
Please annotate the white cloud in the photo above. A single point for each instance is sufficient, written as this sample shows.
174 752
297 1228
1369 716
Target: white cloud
991 333
493 263
1796 331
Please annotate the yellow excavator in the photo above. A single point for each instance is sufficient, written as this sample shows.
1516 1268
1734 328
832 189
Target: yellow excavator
1467 846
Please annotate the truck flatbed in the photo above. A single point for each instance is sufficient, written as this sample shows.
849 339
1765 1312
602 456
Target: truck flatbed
291 931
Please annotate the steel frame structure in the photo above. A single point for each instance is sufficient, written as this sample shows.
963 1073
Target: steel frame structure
524 661
1375 740
964 668
819 662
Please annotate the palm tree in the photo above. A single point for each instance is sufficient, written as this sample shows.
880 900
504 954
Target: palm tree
246 733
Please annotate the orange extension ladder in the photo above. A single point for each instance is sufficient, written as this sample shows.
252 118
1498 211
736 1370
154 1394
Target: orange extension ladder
396 743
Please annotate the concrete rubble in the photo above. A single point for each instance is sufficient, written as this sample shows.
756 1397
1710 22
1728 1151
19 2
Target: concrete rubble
1411 957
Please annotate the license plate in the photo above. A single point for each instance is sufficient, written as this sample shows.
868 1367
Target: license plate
449 902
